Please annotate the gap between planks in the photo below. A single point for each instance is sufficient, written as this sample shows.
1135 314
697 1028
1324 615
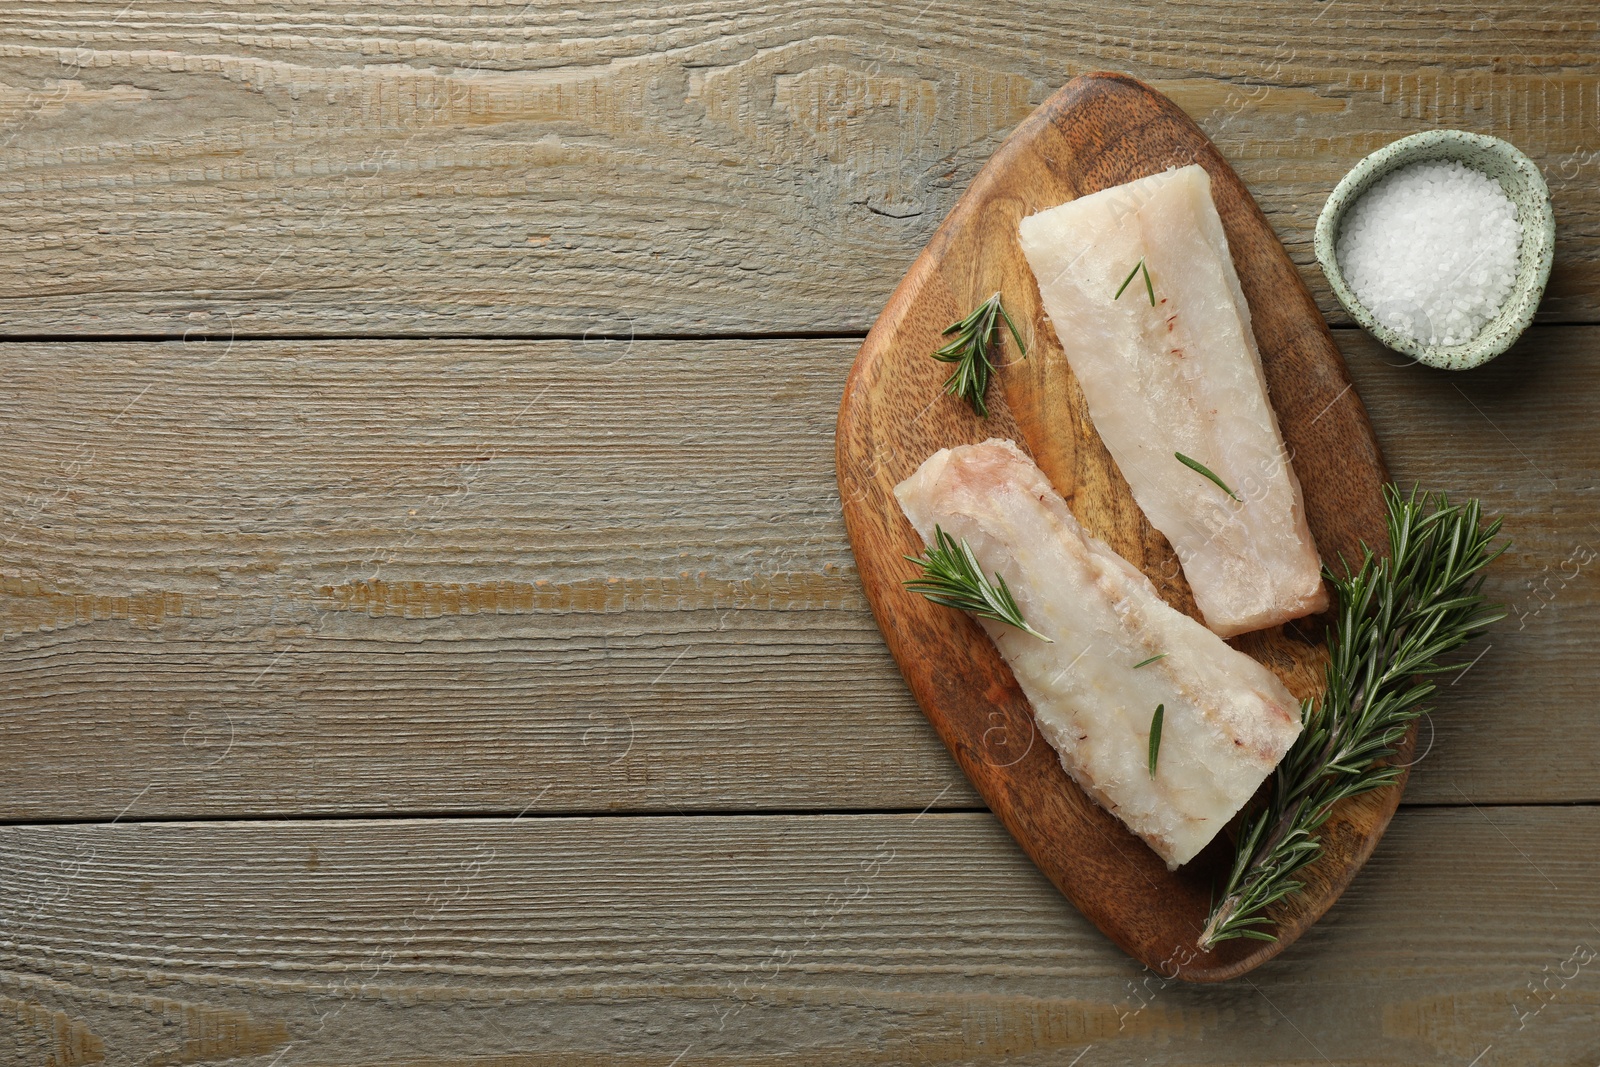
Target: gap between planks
487 816
196 337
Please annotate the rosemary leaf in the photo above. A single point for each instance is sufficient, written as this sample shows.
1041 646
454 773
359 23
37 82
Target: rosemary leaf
951 577
975 335
1155 736
1196 465
1396 617
1131 275
1152 659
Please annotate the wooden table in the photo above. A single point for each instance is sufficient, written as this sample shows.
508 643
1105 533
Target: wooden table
426 626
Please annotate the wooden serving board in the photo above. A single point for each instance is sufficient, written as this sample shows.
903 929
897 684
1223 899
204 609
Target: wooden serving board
1098 131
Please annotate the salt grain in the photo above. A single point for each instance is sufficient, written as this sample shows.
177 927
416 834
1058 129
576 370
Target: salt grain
1431 251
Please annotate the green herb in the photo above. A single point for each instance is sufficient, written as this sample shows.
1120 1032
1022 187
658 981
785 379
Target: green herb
1155 736
975 335
1396 617
1149 287
1196 465
1152 659
951 576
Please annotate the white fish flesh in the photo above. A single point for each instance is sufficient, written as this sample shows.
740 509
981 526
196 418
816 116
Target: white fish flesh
1227 719
1181 374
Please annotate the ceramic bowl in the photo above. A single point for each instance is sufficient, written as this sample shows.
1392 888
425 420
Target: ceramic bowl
1525 186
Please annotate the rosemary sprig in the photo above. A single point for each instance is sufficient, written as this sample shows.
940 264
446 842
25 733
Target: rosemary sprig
951 576
1149 286
1196 465
1396 617
1155 736
1152 659
975 335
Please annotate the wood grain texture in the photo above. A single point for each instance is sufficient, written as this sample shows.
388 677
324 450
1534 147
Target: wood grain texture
215 599
1099 131
515 167
781 941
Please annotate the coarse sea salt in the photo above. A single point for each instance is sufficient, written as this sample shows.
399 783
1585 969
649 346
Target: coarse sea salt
1431 250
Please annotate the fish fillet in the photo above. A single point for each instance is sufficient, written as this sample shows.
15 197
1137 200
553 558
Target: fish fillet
1227 719
1182 376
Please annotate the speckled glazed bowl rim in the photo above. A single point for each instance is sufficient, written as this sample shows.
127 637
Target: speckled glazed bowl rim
1532 199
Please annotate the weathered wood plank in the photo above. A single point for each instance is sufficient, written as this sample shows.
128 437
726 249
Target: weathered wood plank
538 167
1520 435
618 569
446 576
757 940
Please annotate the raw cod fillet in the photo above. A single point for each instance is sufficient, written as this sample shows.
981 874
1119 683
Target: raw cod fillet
1182 376
1228 720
